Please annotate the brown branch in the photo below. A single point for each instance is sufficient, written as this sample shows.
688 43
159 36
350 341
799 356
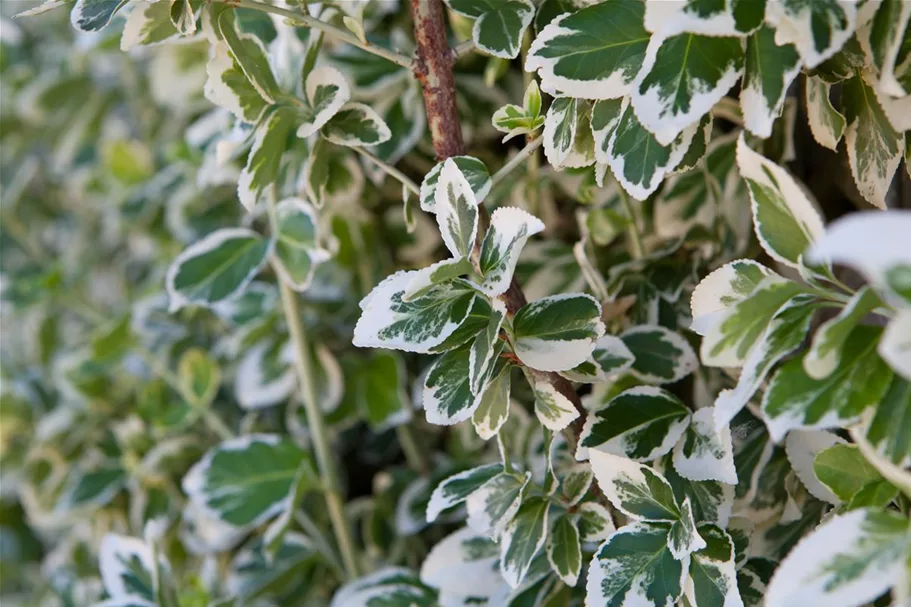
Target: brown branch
433 67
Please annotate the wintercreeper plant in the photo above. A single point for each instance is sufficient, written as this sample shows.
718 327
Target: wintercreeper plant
368 303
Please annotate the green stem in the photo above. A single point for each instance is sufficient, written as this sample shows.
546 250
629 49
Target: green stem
516 160
337 32
462 49
324 459
389 170
413 453
635 236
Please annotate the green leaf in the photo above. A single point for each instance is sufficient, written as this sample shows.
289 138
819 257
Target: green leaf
682 77
713 578
818 28
419 325
874 146
890 428
844 470
485 349
87 490
388 587
127 568
228 87
770 69
577 55
473 170
683 539
255 571
216 268
94 15
456 489
248 52
447 395
493 506
510 228
699 147
381 382
826 350
783 217
712 501
200 377
704 453
356 124
265 376
636 158
296 252
576 482
661 356
849 560
246 481
888 37
148 23
552 408
635 567
785 333
332 175
113 342
595 522
564 551
558 332
522 539
499 25
634 489
456 210
493 410
641 423
514 120
270 140
560 127
826 123
796 400
327 91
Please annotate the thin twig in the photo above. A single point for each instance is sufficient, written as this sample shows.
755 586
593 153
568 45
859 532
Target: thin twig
462 49
516 160
389 170
337 32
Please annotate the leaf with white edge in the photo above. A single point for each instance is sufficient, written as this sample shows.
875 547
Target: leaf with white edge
127 567
594 53
802 448
888 35
199 376
355 125
595 523
785 221
459 557
634 489
576 482
558 332
712 575
447 396
636 567
456 489
890 429
493 506
682 77
484 349
270 141
560 126
327 91
683 539
712 501
514 120
456 210
875 244
700 145
709 17
785 333
510 228
704 453
265 375
825 351
246 481
435 274
729 284
254 569
849 560
735 331
216 268
499 26
94 15
796 400
148 23
612 355
552 408
522 538
605 117
819 28
390 586
228 87
564 550
826 123
388 321
40 9
493 409
874 145
473 170
895 346
661 356
843 470
88 490
248 52
641 423
769 71
296 250
636 158
183 14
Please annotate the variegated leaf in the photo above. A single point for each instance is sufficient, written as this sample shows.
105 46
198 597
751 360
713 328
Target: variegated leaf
509 228
558 332
634 489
